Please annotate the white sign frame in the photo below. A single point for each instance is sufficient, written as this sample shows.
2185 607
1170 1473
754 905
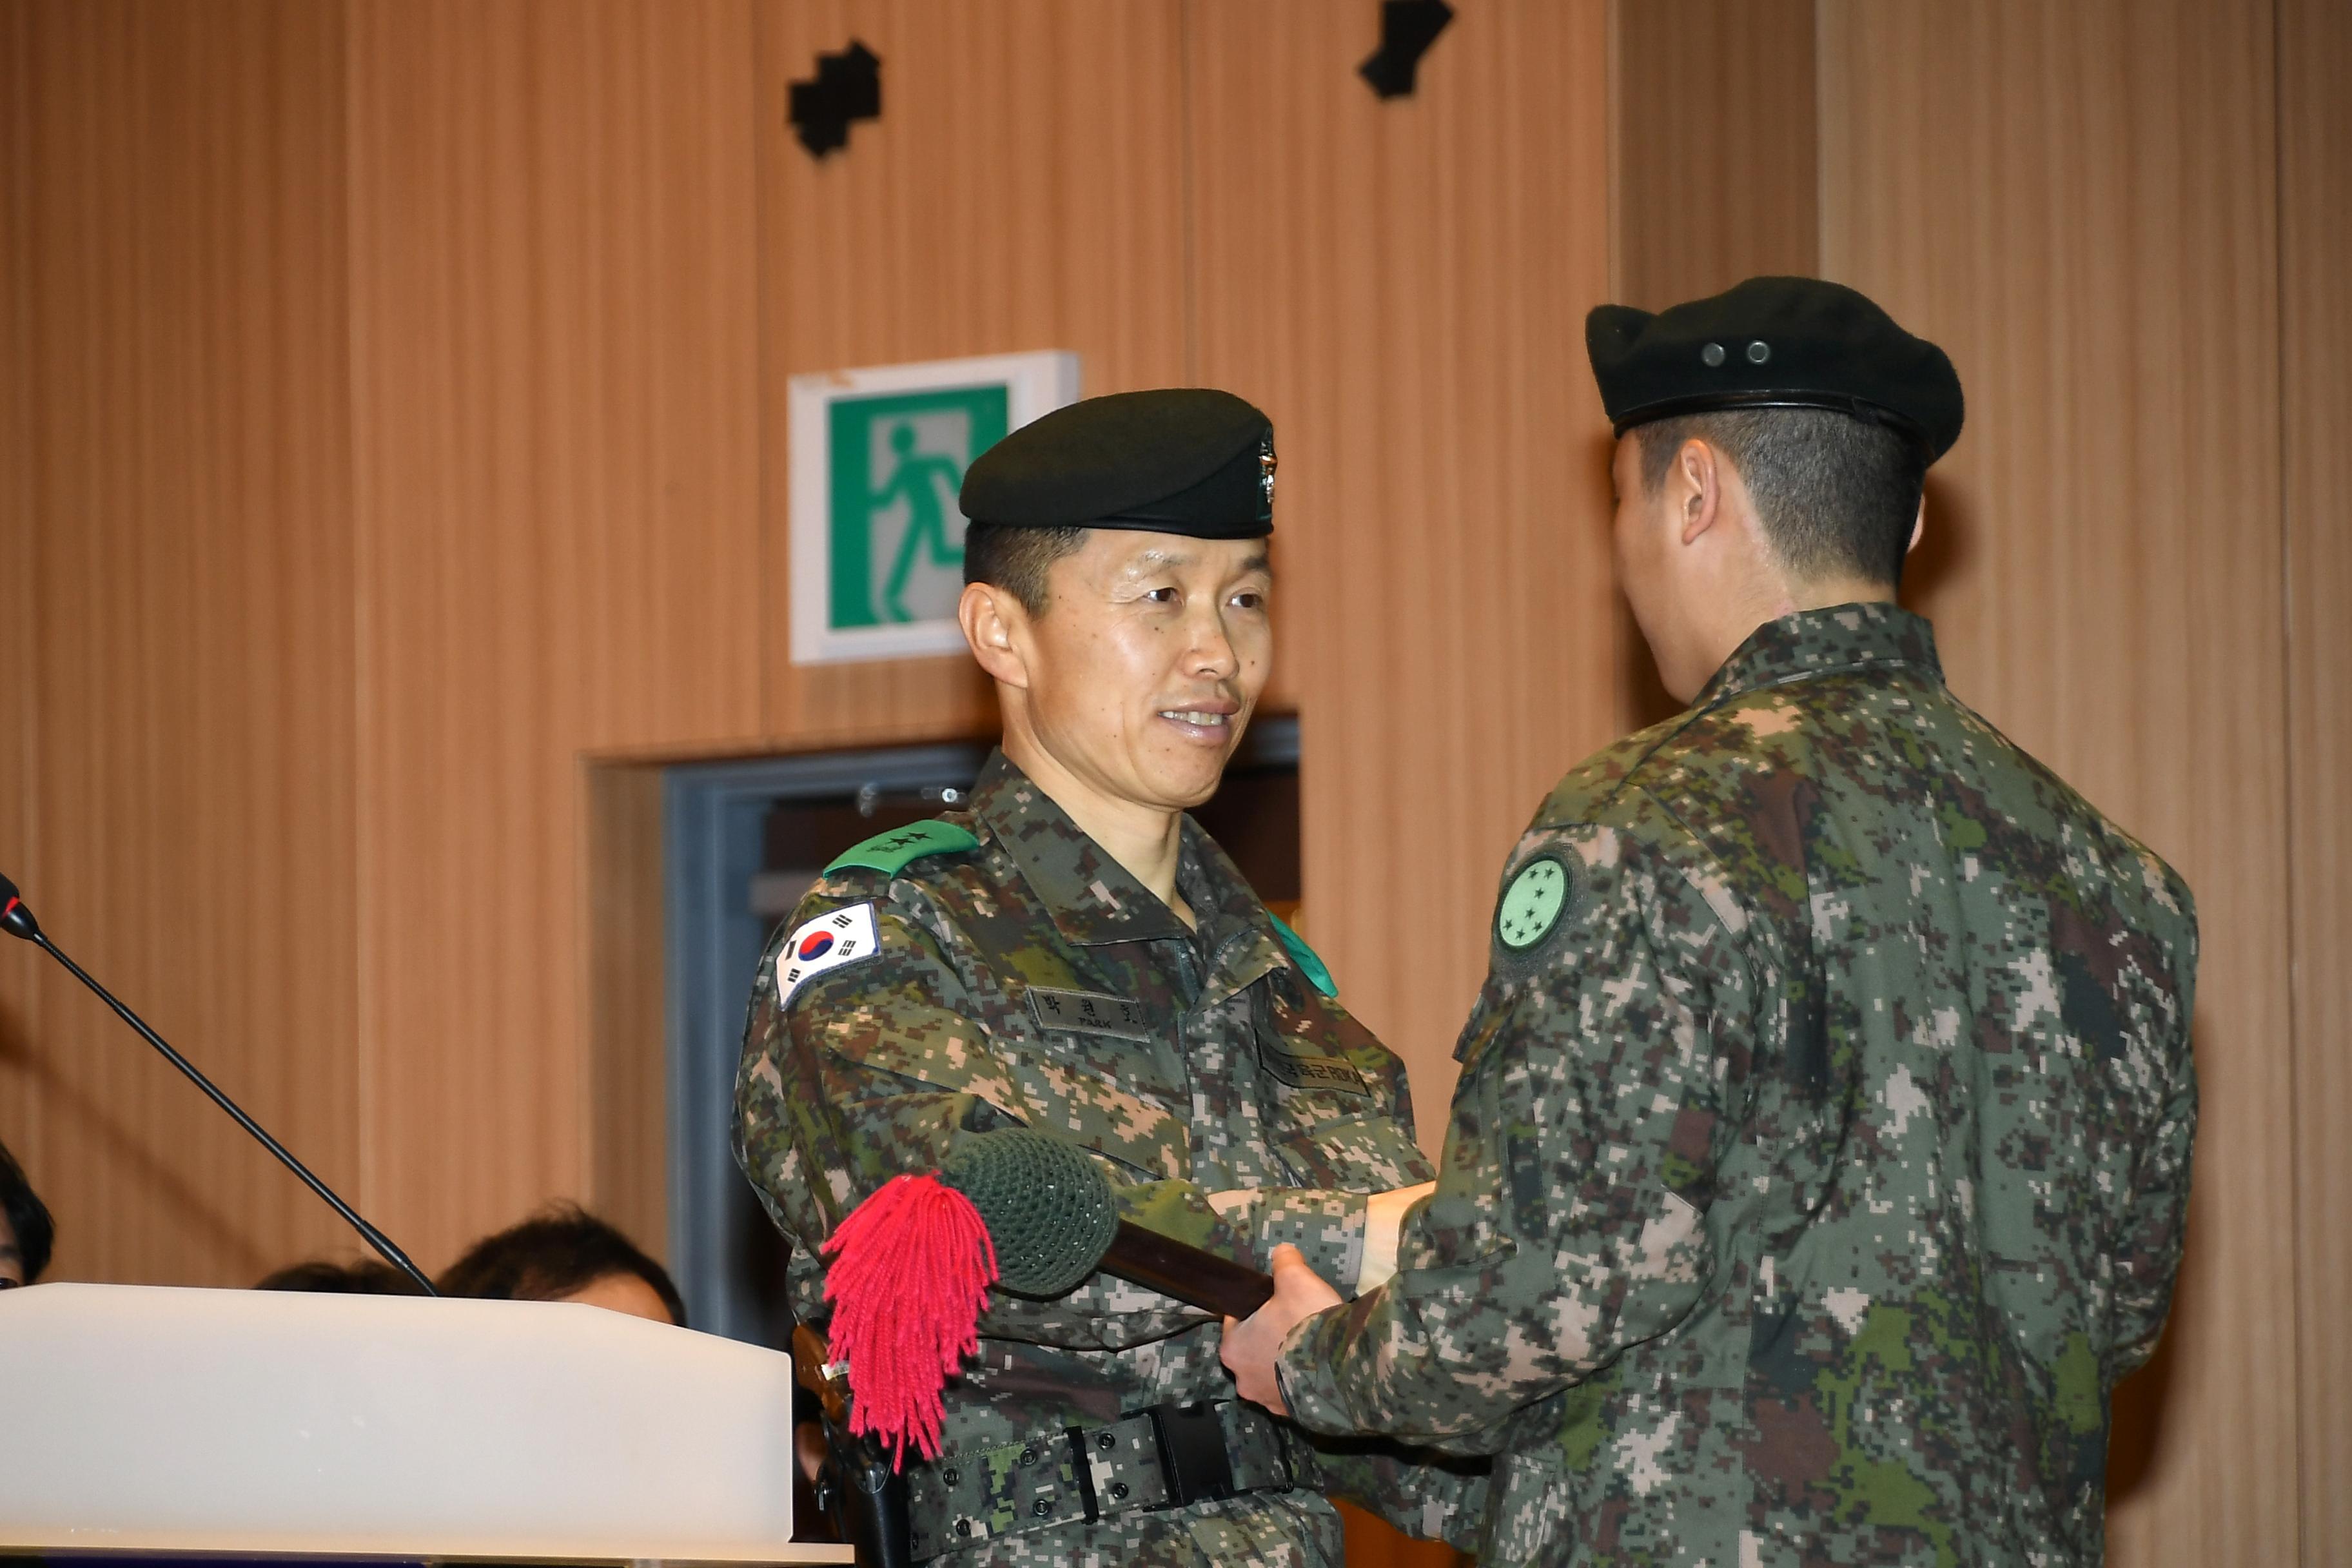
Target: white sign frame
1035 383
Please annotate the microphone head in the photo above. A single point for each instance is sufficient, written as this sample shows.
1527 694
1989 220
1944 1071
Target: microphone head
14 918
1047 1206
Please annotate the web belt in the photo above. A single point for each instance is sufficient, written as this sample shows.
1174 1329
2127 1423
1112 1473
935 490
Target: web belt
1170 1455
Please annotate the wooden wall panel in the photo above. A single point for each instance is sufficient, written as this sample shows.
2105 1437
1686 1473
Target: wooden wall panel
1402 284
2315 239
188 647
1715 146
2078 201
556 388
1714 176
20 1100
629 1007
1023 189
392 419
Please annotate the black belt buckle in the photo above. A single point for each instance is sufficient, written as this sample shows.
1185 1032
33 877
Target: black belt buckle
1192 1452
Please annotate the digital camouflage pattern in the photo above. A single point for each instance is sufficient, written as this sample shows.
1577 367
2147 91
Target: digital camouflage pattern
1815 1175
1235 1106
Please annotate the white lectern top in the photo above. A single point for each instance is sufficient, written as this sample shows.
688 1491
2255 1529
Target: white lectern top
136 1418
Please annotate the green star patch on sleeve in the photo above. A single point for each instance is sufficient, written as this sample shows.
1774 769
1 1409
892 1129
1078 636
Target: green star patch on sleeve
1533 904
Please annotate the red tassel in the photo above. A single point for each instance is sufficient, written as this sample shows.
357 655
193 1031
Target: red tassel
911 1268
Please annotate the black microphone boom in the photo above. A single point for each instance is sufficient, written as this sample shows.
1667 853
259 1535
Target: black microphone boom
19 922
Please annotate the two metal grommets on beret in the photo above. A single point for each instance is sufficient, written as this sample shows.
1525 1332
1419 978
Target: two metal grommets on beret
1757 352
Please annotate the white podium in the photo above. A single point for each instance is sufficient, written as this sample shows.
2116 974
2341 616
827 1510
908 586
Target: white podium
135 1419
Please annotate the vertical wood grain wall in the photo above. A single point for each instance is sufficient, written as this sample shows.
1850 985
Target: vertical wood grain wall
392 427
2125 230
22 1121
2315 56
178 541
1402 285
2080 202
1024 190
556 455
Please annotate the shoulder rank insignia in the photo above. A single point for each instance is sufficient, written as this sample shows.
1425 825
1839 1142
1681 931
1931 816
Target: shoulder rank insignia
891 853
1304 956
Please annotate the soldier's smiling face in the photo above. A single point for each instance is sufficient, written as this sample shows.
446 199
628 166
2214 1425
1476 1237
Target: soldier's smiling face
1141 673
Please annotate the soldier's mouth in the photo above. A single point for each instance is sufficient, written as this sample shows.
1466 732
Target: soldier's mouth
1207 726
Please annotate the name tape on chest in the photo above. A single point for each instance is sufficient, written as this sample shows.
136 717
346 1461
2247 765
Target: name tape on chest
1313 1072
1090 1012
831 940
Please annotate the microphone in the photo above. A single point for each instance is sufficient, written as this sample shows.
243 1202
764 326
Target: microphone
1052 1220
17 921
911 1267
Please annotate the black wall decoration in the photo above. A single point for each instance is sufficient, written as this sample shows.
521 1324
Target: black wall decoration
848 87
1407 29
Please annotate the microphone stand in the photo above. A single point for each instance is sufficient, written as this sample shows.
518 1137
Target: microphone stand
19 922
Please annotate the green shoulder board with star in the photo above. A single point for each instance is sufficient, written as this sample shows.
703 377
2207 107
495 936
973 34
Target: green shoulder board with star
1304 956
892 852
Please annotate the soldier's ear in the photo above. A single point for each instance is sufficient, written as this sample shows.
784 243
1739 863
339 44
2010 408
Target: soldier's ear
993 621
1697 478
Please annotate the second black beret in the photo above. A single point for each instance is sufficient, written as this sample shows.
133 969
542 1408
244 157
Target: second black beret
1774 342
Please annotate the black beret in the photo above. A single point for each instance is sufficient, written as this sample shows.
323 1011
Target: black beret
1183 459
1774 342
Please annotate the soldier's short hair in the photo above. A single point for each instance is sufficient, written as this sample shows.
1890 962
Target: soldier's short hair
1017 560
556 1253
1835 494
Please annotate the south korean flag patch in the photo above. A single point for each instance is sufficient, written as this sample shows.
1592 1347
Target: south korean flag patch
842 936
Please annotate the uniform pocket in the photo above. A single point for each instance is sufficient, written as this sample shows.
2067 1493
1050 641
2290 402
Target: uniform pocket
1363 1152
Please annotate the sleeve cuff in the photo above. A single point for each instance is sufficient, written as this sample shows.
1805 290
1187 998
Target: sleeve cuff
1384 1217
1303 1371
1327 1228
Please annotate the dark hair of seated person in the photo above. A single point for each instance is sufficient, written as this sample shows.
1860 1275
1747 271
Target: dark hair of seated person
555 1253
322 1276
29 1222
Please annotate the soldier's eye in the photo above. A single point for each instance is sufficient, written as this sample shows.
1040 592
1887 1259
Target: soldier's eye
1250 599
1161 595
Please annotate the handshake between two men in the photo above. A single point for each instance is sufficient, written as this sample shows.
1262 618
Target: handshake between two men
1742 1250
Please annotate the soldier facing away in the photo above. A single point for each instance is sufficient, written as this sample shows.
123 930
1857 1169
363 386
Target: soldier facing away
1075 955
1821 1146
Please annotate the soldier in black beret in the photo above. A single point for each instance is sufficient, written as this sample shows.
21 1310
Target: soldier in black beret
1821 1152
1074 954
1805 404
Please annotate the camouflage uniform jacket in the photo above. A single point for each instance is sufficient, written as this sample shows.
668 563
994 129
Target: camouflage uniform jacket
1821 1152
1024 977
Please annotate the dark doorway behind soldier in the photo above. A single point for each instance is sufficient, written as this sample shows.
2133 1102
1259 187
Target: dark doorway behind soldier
1075 955
1822 1145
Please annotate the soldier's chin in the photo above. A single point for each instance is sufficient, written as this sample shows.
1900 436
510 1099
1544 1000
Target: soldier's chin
1188 774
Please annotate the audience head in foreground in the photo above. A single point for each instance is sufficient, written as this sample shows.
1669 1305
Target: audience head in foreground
26 1228
324 1277
564 1254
